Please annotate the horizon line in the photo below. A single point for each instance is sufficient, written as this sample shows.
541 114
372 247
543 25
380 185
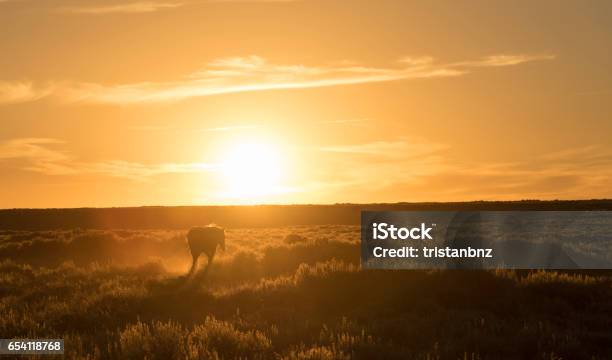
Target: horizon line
310 204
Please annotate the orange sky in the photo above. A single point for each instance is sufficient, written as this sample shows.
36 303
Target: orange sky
127 103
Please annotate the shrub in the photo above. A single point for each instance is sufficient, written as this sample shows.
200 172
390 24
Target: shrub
217 338
316 353
294 239
160 340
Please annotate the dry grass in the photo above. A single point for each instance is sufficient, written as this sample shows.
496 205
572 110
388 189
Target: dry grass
287 293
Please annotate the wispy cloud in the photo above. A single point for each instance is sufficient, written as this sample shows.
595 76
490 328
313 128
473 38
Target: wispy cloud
252 1
40 155
378 164
254 73
231 128
399 148
139 171
37 154
400 169
421 171
345 121
22 91
504 60
125 8
245 74
169 128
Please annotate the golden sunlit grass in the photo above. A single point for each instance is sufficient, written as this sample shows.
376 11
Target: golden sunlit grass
285 293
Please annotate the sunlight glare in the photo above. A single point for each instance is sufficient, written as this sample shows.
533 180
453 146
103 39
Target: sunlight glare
251 171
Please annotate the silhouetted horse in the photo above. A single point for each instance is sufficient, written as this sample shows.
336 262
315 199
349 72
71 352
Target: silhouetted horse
205 240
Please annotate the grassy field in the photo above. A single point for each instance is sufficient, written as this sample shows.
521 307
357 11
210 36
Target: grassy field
287 292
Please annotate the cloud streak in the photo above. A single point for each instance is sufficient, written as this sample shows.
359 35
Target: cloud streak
231 128
13 92
345 121
253 1
503 60
39 155
123 8
394 149
254 73
400 169
425 171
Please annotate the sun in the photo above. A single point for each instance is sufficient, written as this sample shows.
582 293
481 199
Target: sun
251 171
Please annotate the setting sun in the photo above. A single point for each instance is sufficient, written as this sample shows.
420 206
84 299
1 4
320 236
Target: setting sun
251 171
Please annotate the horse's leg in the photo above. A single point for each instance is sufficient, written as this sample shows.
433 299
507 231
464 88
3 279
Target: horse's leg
210 260
194 264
